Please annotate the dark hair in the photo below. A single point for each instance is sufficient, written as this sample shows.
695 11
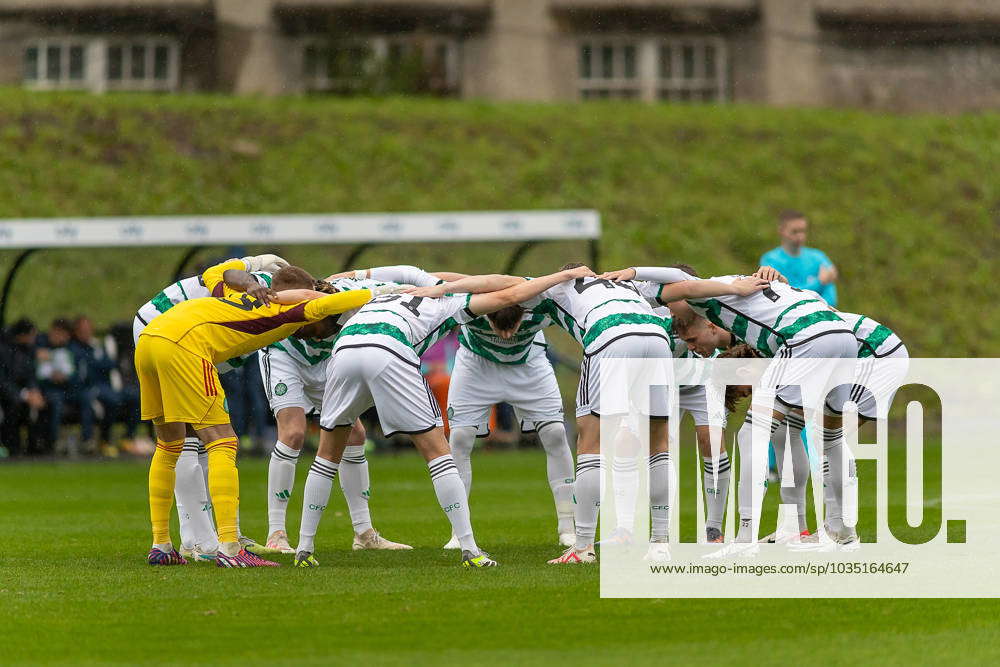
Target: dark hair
790 214
21 327
62 323
507 318
736 393
292 277
680 321
571 265
324 287
686 268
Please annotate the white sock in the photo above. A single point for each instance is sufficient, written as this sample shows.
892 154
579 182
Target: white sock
451 496
559 468
659 496
625 478
355 484
716 484
840 480
280 482
587 494
461 441
203 462
315 498
194 508
800 469
753 472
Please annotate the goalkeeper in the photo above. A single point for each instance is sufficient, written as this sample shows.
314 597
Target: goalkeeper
175 362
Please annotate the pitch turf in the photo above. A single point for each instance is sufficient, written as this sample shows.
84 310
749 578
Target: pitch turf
75 589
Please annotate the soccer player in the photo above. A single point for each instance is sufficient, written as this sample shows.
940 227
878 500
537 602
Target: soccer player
783 323
377 362
612 321
175 364
501 358
294 374
883 361
709 426
199 541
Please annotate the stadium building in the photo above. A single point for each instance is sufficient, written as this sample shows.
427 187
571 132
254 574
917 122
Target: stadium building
887 54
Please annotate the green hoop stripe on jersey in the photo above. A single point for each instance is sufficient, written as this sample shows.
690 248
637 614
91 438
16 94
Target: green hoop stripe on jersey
435 336
872 342
562 319
807 321
857 324
266 277
618 319
184 292
380 328
793 307
162 302
769 339
311 357
510 357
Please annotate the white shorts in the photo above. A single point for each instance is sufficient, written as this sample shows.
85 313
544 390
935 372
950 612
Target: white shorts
876 381
478 384
695 401
810 364
358 378
630 386
291 384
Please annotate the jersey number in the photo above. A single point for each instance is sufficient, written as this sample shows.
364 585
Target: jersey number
582 286
246 302
412 304
774 296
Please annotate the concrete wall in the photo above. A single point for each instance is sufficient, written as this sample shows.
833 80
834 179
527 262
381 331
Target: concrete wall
911 77
886 54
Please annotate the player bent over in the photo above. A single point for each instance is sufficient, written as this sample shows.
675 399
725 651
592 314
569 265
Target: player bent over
376 362
294 375
801 334
199 541
175 363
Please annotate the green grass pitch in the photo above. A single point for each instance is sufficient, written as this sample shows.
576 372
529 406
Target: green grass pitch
75 589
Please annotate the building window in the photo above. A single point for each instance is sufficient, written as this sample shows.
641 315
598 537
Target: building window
691 70
674 69
99 64
55 64
142 64
382 64
609 69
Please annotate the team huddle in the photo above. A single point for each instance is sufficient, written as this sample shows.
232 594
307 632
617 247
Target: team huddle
339 346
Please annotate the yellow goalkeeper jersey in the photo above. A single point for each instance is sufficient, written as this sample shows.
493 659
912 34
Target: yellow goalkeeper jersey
230 324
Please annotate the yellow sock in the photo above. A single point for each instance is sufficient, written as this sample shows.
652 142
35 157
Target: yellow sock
161 487
224 486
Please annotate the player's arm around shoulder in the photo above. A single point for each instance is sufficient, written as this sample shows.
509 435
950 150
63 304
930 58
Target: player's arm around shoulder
469 285
481 304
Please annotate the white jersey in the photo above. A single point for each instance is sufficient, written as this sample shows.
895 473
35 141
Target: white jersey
874 339
315 351
405 325
478 337
597 312
767 320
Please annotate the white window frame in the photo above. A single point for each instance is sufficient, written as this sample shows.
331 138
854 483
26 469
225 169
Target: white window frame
379 46
617 84
95 74
64 82
648 84
148 82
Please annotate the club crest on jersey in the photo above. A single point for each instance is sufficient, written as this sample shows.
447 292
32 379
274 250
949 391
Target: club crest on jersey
281 389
